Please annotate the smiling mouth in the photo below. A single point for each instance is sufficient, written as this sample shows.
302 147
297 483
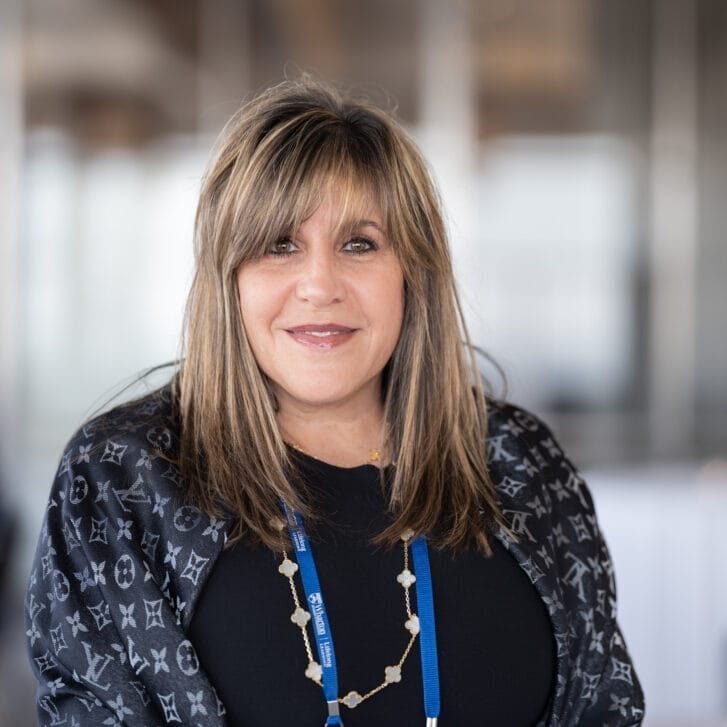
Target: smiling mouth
321 337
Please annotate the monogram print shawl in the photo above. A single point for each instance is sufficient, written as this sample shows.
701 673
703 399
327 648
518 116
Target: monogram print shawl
121 561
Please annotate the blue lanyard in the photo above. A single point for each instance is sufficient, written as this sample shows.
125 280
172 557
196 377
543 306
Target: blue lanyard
428 631
324 636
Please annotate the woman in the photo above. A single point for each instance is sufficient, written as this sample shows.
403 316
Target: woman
324 463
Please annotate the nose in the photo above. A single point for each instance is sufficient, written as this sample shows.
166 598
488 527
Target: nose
320 282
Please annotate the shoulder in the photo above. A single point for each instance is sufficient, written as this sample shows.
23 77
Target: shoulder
533 475
547 505
118 498
123 446
517 435
113 437
117 477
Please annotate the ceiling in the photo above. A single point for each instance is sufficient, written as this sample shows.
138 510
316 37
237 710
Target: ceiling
122 71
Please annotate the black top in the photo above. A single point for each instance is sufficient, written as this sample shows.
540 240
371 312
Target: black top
495 639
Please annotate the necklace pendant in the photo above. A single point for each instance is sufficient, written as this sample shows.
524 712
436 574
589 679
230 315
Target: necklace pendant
352 700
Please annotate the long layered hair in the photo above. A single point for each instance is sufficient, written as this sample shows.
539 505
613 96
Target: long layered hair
275 159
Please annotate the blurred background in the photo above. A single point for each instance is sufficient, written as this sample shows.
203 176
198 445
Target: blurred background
581 151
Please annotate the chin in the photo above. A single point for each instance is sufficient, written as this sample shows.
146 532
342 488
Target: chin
319 396
320 393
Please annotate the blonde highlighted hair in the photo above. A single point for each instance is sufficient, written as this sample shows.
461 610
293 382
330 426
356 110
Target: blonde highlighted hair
272 162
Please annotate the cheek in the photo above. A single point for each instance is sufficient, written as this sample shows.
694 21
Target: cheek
255 307
390 298
244 300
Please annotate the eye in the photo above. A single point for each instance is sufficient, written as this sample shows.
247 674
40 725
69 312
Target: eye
283 246
359 245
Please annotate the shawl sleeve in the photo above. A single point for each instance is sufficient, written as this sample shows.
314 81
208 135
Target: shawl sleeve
597 684
558 543
604 689
120 563
84 672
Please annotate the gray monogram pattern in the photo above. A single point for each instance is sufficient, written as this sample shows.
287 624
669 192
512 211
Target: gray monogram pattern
560 547
122 559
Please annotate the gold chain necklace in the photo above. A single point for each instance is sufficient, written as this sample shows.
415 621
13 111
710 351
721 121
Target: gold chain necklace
300 617
374 454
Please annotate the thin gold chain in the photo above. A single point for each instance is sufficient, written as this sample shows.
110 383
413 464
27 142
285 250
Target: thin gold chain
373 457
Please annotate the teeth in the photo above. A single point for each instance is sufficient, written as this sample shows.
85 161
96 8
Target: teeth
323 334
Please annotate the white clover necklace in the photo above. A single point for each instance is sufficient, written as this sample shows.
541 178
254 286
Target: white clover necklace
300 617
324 671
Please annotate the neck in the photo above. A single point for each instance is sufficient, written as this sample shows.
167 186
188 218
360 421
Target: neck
340 435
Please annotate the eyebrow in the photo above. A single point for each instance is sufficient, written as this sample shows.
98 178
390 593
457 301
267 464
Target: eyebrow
367 223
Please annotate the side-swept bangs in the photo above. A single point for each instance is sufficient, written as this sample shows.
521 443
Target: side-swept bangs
286 183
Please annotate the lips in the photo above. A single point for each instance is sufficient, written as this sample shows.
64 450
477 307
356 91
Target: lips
321 336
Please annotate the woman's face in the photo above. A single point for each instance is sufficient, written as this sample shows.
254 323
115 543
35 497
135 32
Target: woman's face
322 312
